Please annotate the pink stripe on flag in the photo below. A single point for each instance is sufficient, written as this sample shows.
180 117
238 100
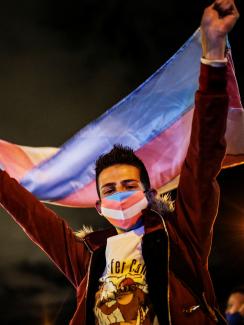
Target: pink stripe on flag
163 156
85 197
14 159
232 85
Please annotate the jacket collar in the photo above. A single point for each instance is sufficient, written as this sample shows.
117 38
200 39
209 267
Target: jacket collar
152 221
98 239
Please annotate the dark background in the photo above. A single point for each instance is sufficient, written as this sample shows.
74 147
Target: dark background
62 64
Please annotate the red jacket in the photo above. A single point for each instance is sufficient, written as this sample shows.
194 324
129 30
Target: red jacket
175 246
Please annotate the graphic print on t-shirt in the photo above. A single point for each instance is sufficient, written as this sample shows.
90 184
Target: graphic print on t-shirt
122 297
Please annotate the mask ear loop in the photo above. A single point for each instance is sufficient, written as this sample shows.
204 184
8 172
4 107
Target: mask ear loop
98 207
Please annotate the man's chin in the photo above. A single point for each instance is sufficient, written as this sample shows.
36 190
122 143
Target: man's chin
138 224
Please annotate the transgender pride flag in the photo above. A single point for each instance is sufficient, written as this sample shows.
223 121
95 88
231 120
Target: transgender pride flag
155 120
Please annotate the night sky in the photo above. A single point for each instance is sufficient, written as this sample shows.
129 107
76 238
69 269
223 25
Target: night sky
62 64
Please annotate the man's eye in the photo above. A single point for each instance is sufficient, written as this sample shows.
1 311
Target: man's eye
107 192
132 186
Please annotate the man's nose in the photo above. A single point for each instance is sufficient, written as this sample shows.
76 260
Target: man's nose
120 188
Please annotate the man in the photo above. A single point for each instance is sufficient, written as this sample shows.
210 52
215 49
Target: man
152 266
235 307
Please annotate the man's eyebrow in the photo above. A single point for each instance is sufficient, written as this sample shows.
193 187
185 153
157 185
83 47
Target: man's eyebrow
130 180
122 182
108 184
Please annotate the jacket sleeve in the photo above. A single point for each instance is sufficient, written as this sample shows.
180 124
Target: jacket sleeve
50 232
198 192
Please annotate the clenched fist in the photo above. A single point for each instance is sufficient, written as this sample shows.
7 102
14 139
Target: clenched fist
217 21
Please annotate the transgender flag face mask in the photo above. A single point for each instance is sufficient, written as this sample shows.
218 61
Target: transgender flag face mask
124 209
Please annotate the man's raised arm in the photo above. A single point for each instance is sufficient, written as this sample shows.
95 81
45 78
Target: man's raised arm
44 227
198 192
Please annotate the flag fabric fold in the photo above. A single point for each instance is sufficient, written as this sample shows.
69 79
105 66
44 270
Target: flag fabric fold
155 120
17 160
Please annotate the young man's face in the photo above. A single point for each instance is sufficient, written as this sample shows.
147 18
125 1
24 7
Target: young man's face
119 178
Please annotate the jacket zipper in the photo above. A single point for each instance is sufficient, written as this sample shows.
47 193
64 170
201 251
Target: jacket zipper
168 290
88 270
195 307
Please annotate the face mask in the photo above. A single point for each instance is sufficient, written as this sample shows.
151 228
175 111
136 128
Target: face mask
235 318
124 209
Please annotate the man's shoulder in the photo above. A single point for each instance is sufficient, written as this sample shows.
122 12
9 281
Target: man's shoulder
95 239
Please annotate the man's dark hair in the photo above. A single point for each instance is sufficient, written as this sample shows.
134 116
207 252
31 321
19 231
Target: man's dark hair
239 289
121 155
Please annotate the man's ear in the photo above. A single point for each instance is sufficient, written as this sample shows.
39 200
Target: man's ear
151 195
98 207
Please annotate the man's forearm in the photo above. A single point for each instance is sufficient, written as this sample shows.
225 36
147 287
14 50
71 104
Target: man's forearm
42 225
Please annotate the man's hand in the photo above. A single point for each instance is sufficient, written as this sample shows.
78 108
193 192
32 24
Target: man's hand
218 20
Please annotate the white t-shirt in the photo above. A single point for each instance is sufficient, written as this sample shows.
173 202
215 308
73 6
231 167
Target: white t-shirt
122 297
